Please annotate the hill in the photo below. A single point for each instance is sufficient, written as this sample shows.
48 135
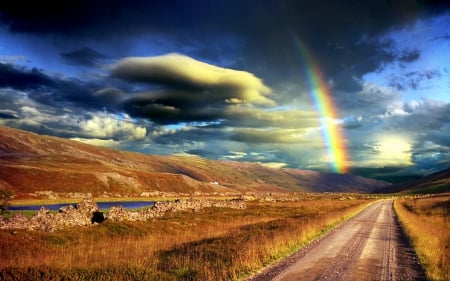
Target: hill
433 183
30 162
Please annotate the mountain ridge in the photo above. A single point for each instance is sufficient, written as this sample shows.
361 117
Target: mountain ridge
30 162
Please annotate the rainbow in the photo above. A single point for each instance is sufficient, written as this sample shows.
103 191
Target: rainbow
332 134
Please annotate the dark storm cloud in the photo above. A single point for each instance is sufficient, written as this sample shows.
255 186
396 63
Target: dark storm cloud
339 33
167 107
66 18
85 17
22 79
423 117
192 91
103 19
431 158
8 114
10 103
196 92
389 174
440 138
352 124
409 56
412 80
110 97
45 89
175 106
84 56
371 100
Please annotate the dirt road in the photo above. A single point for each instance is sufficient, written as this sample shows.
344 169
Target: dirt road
370 246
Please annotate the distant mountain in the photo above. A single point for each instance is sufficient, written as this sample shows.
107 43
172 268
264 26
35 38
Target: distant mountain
433 183
31 162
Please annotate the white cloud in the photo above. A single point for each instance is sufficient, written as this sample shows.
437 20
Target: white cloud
98 142
30 111
169 130
104 126
385 151
234 86
235 155
274 165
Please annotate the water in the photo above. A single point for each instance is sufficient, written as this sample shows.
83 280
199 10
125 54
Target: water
101 205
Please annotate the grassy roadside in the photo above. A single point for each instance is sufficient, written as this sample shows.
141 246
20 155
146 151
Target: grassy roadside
217 244
427 223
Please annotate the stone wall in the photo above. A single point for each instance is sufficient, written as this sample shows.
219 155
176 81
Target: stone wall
161 208
87 213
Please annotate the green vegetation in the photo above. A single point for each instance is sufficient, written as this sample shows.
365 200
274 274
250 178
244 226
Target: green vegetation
427 223
216 244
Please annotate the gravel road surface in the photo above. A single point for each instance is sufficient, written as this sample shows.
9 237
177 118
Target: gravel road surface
370 246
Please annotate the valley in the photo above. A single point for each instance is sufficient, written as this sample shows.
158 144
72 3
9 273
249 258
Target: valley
287 213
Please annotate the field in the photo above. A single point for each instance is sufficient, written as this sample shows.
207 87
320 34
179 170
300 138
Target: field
427 223
215 244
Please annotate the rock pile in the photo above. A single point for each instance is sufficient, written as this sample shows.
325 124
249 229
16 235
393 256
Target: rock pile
87 213
79 215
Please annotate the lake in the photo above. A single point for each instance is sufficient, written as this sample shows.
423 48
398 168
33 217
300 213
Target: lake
101 205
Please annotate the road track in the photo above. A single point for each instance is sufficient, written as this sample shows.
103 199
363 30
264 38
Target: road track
369 246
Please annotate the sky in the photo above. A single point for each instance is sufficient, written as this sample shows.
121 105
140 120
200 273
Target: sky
358 87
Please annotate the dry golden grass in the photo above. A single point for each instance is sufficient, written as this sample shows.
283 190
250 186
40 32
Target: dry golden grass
427 223
217 244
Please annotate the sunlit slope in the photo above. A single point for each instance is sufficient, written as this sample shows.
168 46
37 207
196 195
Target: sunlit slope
434 183
31 162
